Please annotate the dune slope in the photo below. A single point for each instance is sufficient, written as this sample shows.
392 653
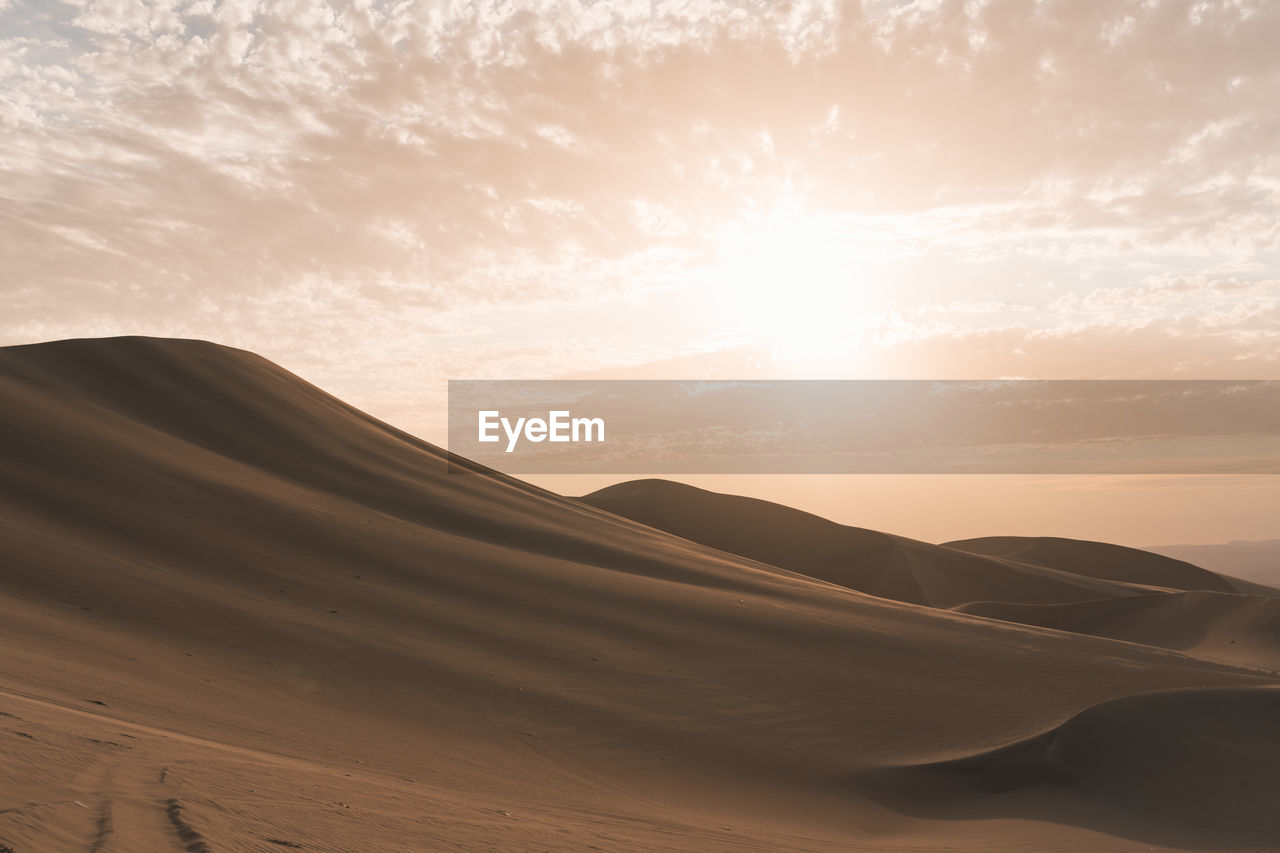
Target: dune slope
1199 765
865 560
237 613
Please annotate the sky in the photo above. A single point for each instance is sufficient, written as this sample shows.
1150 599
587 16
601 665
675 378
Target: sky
382 196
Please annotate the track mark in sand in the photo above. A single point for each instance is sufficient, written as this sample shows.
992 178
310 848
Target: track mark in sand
102 834
283 843
193 840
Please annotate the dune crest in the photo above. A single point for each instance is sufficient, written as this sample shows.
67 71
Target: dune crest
876 563
1099 560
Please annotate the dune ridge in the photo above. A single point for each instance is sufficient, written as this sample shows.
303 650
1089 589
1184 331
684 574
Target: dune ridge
869 561
1100 560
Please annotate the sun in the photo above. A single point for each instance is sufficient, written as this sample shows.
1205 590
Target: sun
799 287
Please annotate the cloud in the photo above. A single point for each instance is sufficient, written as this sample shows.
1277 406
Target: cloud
1162 290
176 165
1200 301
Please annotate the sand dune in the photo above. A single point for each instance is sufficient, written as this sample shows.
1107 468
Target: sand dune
1242 629
237 614
865 560
1123 595
1099 560
1197 764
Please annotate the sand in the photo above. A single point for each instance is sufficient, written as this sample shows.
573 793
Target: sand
238 614
1241 629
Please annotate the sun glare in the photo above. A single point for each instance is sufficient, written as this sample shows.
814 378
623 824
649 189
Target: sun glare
798 287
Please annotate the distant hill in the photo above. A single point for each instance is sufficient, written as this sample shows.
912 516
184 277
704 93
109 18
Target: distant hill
1257 561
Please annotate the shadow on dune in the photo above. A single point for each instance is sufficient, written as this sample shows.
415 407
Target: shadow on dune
1191 769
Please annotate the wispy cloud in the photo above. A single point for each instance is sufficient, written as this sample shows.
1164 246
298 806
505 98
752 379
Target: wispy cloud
298 171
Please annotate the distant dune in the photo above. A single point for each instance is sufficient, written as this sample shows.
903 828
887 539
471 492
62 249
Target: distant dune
238 614
865 560
1064 584
1099 560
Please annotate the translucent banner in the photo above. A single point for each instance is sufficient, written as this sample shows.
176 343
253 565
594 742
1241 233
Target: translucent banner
867 427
